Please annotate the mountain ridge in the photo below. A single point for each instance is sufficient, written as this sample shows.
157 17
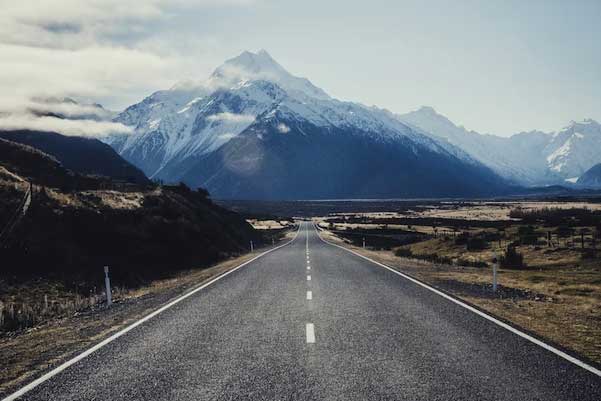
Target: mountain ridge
174 129
82 155
526 158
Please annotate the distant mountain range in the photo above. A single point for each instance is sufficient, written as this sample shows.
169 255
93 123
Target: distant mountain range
254 131
526 158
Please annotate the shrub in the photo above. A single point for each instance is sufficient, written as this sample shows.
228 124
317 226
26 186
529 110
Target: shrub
462 238
588 254
512 259
471 263
202 192
564 231
476 244
492 236
527 235
403 253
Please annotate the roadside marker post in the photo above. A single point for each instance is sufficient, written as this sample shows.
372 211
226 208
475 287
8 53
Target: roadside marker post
363 242
107 283
252 248
494 272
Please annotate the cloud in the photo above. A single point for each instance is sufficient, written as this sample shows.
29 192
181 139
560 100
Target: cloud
89 72
77 23
67 108
103 51
90 128
231 117
283 128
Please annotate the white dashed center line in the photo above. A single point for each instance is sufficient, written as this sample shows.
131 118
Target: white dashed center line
310 333
309 278
309 295
308 267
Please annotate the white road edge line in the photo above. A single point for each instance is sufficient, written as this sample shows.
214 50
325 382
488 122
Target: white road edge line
309 295
506 326
115 336
310 333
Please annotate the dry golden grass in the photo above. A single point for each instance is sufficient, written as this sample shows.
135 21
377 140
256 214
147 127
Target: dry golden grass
268 224
483 211
8 177
99 198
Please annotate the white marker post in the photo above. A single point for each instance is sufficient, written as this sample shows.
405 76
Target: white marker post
107 283
363 242
252 248
494 272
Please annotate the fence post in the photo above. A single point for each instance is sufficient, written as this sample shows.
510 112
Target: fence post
494 272
107 283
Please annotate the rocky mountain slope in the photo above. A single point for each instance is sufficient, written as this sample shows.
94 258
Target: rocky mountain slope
591 178
254 130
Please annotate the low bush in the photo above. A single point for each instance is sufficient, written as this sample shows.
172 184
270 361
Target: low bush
471 263
528 235
403 253
462 238
588 254
512 259
476 244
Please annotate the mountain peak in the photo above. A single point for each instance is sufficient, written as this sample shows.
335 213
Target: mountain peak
249 65
427 110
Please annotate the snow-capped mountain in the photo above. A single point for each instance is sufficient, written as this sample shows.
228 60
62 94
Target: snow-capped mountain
528 158
574 149
230 133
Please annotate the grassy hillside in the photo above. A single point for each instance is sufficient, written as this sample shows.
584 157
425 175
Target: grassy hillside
78 154
77 224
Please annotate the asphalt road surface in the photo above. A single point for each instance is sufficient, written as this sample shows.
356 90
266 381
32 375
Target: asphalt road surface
311 321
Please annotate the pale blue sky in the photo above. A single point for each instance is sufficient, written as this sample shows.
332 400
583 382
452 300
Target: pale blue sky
492 66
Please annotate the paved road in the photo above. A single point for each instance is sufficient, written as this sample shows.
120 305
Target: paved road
364 334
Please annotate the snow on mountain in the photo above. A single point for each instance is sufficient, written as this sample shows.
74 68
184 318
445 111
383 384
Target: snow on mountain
250 66
192 119
530 158
574 149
